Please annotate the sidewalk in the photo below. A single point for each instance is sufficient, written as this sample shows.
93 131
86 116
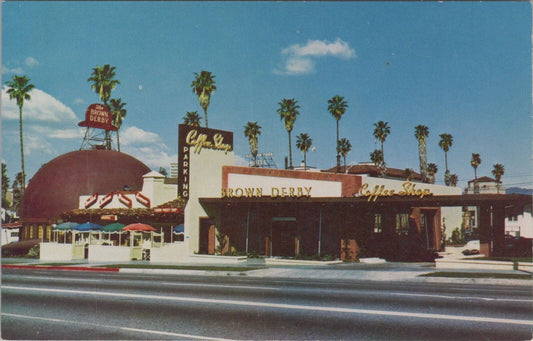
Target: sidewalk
383 272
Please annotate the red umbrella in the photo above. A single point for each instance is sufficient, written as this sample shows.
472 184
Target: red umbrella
138 227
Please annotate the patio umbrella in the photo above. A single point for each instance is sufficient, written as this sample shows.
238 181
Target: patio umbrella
138 227
115 227
87 226
66 225
179 229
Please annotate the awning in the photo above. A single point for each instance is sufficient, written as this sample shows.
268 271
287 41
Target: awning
138 227
87 227
66 225
115 227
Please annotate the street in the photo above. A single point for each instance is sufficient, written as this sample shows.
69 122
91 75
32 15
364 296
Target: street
46 304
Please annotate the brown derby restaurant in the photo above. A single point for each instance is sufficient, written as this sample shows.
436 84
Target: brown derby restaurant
289 213
286 213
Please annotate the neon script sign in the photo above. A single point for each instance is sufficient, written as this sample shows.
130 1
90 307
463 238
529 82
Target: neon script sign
408 189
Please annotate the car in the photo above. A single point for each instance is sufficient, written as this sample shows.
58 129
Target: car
471 248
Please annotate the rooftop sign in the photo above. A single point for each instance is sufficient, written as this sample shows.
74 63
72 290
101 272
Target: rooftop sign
408 189
98 116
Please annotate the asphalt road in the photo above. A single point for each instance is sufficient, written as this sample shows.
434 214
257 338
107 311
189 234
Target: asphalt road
43 304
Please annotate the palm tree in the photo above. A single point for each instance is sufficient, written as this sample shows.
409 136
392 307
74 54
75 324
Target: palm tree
343 148
432 170
288 111
5 186
498 171
304 142
475 162
446 141
453 180
381 131
19 89
377 158
421 133
117 114
408 174
203 86
103 83
337 107
192 118
252 130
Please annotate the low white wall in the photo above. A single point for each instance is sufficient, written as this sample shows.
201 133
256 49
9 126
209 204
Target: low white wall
209 259
525 267
443 263
61 252
108 253
169 253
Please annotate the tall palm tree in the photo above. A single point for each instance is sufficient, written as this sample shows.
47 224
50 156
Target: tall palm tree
337 107
203 86
446 141
381 131
377 158
343 148
103 82
117 114
288 111
192 118
498 171
408 174
453 180
19 88
475 162
304 142
421 133
252 130
432 170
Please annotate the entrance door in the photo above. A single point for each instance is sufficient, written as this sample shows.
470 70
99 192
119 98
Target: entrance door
284 237
207 237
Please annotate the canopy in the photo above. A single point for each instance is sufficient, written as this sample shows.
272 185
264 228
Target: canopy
87 226
179 229
115 227
138 227
66 225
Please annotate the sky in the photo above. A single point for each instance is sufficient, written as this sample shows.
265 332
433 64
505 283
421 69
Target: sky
462 68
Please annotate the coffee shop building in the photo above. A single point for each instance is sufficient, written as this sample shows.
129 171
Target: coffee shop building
304 213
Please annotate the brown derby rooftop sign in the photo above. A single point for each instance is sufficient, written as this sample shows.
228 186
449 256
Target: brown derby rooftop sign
195 139
98 116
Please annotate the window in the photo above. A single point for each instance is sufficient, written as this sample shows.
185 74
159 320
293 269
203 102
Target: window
378 227
402 224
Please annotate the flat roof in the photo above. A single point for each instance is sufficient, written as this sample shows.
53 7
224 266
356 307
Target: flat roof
413 201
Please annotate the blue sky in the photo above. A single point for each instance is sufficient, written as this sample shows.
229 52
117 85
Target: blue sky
458 68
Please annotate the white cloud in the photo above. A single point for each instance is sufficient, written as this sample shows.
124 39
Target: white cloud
79 101
41 107
133 136
147 147
31 62
300 59
16 70
240 161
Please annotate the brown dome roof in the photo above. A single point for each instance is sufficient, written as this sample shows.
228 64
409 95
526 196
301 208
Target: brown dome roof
58 184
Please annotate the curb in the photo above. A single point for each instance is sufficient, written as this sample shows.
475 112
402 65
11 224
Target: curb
71 268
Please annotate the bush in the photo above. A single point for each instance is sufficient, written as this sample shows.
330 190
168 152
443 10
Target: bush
34 252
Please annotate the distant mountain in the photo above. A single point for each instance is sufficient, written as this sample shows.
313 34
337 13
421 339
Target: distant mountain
518 190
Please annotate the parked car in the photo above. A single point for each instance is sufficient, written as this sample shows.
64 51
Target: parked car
471 248
517 246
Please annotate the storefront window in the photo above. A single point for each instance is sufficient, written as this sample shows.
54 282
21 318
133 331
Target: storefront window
402 224
378 228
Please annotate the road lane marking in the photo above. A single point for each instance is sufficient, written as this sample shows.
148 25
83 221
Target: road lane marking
220 286
463 297
146 331
284 306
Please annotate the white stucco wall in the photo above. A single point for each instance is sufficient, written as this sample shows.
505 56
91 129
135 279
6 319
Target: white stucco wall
205 183
319 188
523 225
